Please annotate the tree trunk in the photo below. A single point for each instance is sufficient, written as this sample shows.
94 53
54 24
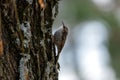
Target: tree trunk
27 51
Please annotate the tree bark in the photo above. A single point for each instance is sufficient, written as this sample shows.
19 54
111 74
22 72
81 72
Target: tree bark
26 34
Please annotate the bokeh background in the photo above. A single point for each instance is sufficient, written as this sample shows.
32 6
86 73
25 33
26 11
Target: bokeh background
92 50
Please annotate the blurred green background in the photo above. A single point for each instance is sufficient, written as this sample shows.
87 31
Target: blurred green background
74 12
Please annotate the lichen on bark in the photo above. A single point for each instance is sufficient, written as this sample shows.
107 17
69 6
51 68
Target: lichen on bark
29 53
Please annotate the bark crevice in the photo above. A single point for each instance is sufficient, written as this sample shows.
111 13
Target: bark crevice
29 53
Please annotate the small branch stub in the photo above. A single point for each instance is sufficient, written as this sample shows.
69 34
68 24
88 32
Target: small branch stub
42 4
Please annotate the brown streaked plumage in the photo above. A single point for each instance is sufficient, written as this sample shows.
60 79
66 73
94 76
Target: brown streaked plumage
59 38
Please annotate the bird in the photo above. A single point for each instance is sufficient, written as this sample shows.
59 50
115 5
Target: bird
60 38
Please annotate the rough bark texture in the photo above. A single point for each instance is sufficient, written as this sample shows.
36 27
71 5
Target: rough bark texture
26 30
